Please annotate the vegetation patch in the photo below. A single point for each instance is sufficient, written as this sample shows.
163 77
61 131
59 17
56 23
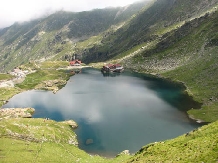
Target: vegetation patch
44 76
47 77
53 64
6 77
7 93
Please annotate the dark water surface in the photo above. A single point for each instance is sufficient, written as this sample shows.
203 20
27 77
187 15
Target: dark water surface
114 113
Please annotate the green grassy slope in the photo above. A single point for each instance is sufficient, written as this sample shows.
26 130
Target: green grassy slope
40 140
45 72
196 57
200 145
186 54
183 51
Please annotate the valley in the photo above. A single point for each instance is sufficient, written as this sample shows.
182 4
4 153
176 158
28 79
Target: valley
174 40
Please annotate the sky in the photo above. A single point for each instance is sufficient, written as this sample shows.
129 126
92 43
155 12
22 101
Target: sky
24 10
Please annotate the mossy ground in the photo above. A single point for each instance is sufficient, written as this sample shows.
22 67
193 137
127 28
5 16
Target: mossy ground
5 76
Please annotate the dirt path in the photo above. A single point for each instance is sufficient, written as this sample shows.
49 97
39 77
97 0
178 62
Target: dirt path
19 77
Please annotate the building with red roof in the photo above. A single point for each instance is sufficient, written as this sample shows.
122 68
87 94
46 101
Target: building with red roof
112 68
75 62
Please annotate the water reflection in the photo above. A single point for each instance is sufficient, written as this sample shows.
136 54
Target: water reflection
110 74
114 114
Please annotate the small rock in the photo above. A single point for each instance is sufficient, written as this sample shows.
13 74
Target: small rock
71 123
125 152
72 142
89 141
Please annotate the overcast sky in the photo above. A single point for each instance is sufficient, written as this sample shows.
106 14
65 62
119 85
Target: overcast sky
23 10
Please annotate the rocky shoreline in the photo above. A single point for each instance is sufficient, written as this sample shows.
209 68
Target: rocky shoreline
6 113
51 85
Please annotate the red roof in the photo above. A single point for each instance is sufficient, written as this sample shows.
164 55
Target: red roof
112 65
118 65
75 62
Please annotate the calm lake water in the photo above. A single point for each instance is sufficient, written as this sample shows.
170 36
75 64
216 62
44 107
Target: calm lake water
114 113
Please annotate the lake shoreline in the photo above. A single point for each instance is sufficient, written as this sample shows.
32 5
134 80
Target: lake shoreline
179 84
52 87
135 80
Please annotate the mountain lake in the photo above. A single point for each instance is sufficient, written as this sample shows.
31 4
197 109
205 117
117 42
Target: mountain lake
114 112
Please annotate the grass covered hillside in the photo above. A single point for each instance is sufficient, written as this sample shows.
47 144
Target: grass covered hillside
200 145
174 39
42 140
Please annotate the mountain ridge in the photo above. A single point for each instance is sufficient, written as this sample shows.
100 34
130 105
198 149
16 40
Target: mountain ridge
45 37
148 24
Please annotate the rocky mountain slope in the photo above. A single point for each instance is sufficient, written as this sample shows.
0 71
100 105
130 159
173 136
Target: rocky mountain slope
181 47
149 25
188 55
57 34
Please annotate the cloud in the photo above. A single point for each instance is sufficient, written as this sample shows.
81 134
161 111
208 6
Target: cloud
24 10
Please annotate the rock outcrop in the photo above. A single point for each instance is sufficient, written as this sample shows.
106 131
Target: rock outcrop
125 152
71 123
16 112
51 85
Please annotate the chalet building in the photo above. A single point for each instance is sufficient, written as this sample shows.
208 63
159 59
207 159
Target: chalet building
112 68
75 62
